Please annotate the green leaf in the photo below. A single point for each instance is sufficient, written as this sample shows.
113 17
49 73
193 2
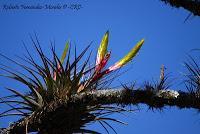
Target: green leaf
32 102
64 52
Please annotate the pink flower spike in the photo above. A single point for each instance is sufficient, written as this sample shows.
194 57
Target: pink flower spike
102 64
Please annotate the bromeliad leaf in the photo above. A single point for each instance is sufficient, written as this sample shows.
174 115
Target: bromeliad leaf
30 85
64 52
32 102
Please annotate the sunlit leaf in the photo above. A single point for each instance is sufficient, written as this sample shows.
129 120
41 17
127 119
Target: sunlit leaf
64 52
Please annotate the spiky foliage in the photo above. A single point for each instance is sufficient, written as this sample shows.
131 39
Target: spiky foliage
193 78
52 82
159 87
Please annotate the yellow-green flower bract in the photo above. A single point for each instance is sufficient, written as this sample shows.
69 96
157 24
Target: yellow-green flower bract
127 57
102 50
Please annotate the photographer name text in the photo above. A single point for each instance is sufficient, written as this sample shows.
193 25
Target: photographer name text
71 6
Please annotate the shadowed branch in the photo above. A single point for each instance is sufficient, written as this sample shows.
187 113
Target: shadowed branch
48 116
191 5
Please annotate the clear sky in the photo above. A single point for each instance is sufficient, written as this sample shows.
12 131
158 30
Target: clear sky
168 40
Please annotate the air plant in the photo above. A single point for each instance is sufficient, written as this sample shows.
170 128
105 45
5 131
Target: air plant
58 79
161 84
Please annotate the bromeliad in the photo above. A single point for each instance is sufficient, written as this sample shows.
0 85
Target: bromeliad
55 81
102 58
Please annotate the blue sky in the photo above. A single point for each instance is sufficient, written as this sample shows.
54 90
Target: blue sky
168 40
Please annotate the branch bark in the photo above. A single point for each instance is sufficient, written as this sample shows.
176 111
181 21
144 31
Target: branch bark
191 5
152 98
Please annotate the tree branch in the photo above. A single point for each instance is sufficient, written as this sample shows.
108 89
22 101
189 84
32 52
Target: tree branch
71 109
191 5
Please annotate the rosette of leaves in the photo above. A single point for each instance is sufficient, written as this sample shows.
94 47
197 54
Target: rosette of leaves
52 84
